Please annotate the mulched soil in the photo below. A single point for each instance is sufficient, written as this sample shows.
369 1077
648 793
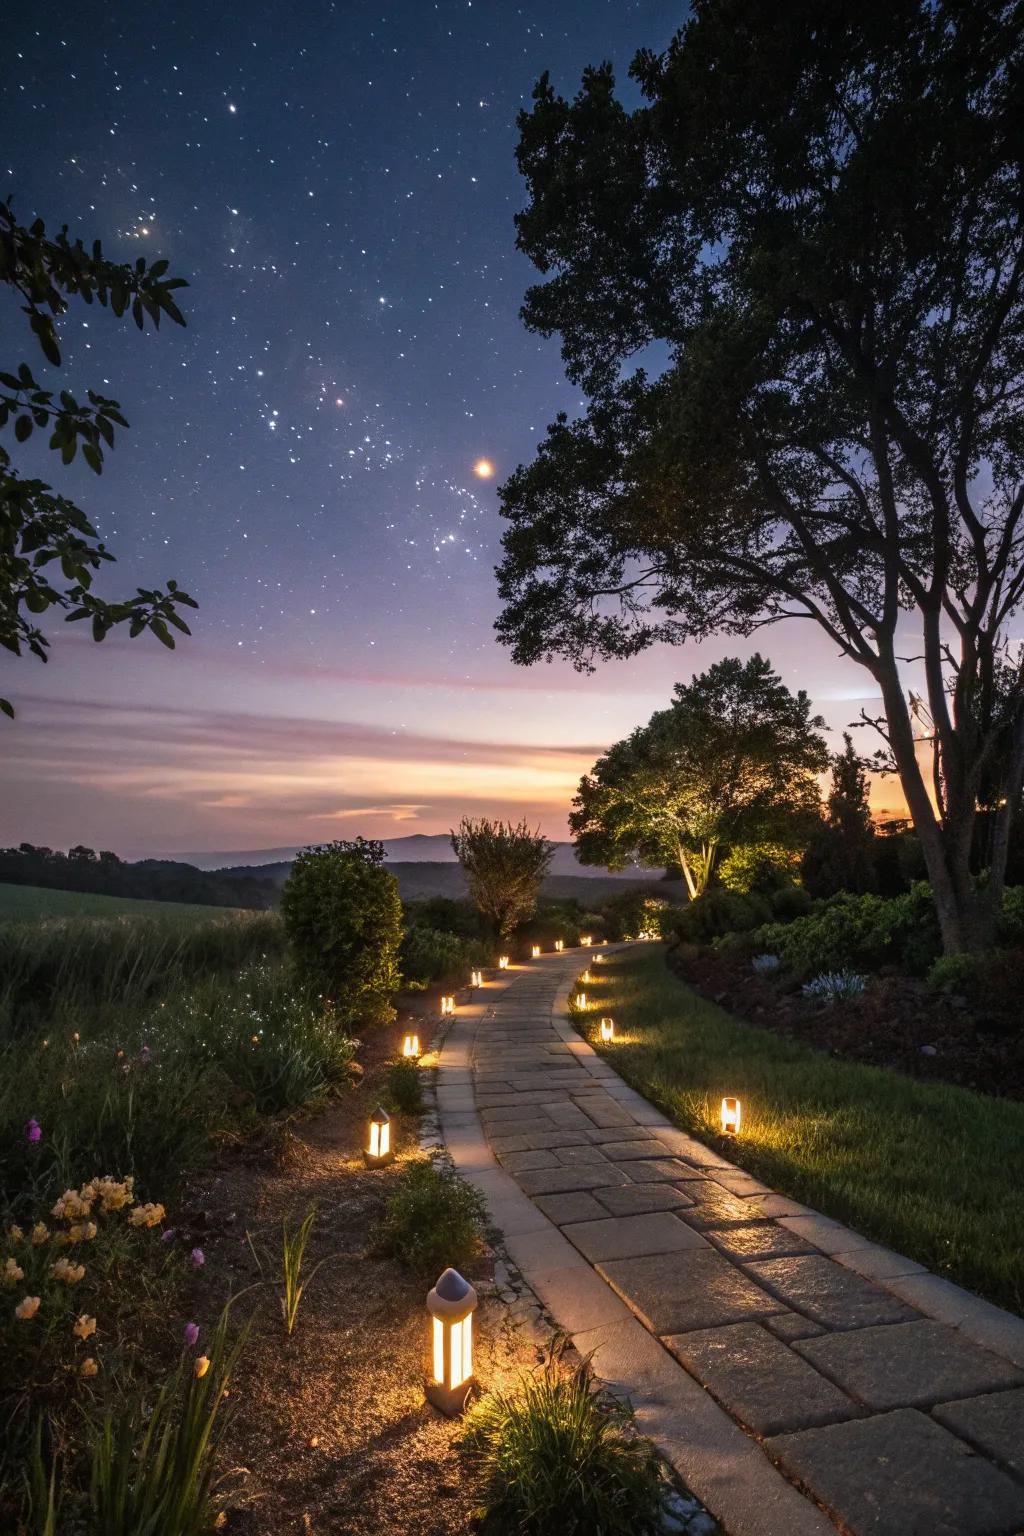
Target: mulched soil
330 1433
897 1022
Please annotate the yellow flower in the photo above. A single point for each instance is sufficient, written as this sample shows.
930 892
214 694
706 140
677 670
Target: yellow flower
114 1196
40 1233
88 1367
148 1215
85 1327
12 1272
16 1235
220 1522
71 1206
66 1271
27 1308
202 1365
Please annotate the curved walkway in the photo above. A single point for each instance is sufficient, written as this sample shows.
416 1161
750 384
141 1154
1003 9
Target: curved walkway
797 1376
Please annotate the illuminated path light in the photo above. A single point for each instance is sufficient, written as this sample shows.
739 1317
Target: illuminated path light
378 1148
451 1305
411 1047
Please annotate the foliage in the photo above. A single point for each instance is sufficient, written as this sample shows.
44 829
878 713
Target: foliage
732 760
812 215
849 931
293 1252
558 1454
764 965
153 1465
403 1086
431 954
840 856
761 867
82 869
52 972
445 915
38 529
633 912
432 1220
955 973
505 866
835 986
343 918
830 1133
719 912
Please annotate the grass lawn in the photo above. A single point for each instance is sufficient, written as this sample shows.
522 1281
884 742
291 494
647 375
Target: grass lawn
936 1172
24 902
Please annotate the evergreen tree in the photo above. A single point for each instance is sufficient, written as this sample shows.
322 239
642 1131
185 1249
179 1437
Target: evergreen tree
841 856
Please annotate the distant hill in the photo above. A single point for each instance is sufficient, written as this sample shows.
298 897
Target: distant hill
26 902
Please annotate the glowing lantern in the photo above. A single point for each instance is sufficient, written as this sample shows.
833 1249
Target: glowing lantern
535 952
411 1046
503 962
447 1004
476 979
607 1028
379 1152
580 1001
585 976
559 945
597 959
585 940
731 1111
451 1305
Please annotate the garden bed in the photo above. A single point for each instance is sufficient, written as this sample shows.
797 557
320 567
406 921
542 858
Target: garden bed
897 1022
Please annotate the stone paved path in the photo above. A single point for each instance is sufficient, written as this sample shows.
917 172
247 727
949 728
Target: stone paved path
800 1378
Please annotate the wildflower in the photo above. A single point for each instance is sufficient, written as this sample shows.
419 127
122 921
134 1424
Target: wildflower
169 1234
220 1522
27 1308
12 1272
40 1233
82 1232
71 1206
198 1258
191 1334
85 1327
255 1039
114 1196
33 1131
15 1234
64 1270
120 1055
75 1038
88 1367
46 1045
148 1215
202 1365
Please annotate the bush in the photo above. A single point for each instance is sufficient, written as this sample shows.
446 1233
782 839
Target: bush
447 916
635 912
765 965
433 1220
1011 927
343 917
850 931
761 867
954 973
403 1087
835 987
557 1456
431 954
717 913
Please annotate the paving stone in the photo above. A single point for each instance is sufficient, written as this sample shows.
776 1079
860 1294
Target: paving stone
576 1206
512 1124
760 1380
537 1141
676 1292
556 1181
791 1325
828 1235
585 1155
718 1207
901 1474
627 1135
978 1320
604 1115
826 1292
620 1237
757 1240
633 1199
876 1263
646 1170
909 1365
993 1424
519 1162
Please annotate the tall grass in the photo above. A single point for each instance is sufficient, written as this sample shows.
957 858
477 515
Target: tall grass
50 971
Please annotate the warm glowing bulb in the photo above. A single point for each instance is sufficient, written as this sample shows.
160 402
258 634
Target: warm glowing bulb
585 976
607 1028
447 1004
559 945
476 978
483 469
585 940
536 952
581 1001
411 1046
731 1113
503 962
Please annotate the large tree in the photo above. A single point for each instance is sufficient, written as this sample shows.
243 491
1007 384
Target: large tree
49 550
840 857
505 866
732 760
812 224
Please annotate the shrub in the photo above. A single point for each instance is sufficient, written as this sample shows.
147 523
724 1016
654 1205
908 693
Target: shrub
1011 928
789 902
761 867
849 931
558 1456
717 913
431 1221
431 954
343 917
835 987
403 1087
954 973
446 915
765 965
631 912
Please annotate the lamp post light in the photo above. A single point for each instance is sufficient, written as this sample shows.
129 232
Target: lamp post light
411 1046
731 1114
476 978
447 1004
586 975
607 1029
378 1151
535 952
597 959
503 962
585 940
580 1002
559 945
451 1305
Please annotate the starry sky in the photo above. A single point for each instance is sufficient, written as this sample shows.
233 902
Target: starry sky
337 182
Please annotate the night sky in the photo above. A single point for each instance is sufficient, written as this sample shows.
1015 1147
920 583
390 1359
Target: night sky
337 182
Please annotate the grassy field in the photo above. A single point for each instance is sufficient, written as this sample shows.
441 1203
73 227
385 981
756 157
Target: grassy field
25 902
936 1172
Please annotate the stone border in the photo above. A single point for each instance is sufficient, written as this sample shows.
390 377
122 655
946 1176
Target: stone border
722 1465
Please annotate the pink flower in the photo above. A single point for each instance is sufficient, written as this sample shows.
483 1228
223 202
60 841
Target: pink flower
191 1334
168 1235
33 1131
198 1258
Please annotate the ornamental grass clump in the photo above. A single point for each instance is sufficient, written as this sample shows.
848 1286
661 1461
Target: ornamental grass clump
835 987
433 1220
559 1454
